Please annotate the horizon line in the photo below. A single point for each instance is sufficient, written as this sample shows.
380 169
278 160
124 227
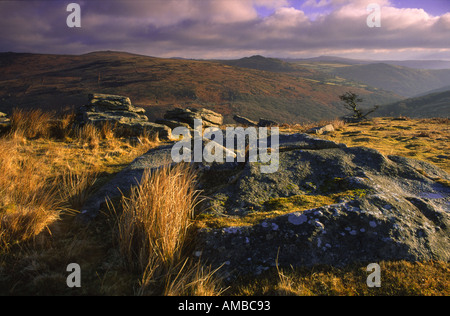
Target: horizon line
236 58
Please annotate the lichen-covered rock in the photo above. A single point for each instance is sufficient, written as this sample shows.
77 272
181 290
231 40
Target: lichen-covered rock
379 227
208 117
121 115
402 213
113 102
124 180
172 123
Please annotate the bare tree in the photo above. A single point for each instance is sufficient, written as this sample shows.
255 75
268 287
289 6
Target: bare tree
351 101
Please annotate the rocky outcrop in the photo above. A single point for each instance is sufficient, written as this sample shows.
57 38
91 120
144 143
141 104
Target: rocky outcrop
5 123
399 210
121 114
209 118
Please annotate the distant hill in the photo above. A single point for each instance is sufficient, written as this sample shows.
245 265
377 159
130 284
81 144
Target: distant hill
441 89
404 81
431 105
62 81
416 64
330 59
420 64
263 63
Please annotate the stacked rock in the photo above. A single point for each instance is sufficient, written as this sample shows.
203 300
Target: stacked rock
121 114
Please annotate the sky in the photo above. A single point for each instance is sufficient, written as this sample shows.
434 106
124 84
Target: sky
227 29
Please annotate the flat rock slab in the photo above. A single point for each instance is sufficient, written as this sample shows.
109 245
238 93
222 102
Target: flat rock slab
208 117
109 99
403 215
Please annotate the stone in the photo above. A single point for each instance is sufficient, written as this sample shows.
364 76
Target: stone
5 122
244 121
321 129
125 179
209 118
267 123
172 123
109 100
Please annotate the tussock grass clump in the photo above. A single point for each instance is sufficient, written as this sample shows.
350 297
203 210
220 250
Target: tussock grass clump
36 123
154 231
89 135
195 280
31 123
153 226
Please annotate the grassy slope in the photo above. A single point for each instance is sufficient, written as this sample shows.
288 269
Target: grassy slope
298 95
37 265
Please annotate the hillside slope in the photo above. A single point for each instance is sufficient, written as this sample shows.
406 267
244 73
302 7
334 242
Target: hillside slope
61 81
430 105
404 81
269 64
416 64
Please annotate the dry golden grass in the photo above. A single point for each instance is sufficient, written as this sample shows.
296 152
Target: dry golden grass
89 135
40 176
153 231
28 203
154 222
75 188
45 172
423 139
31 123
194 280
397 278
